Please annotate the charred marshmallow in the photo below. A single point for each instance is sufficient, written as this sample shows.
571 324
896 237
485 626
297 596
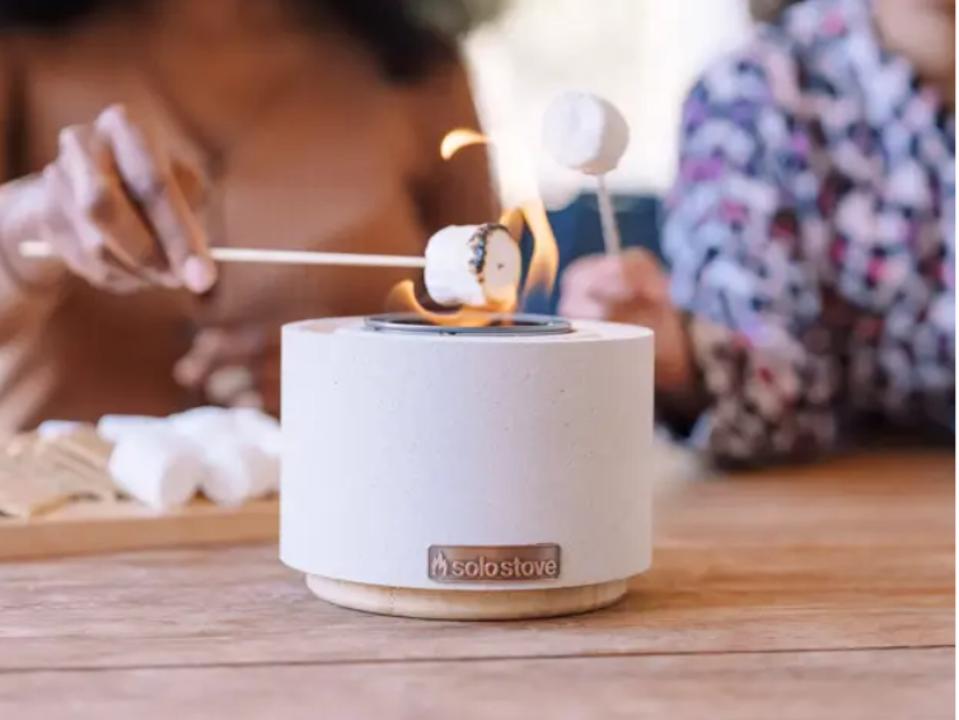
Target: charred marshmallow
476 265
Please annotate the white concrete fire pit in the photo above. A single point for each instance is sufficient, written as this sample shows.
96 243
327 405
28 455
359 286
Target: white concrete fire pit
472 473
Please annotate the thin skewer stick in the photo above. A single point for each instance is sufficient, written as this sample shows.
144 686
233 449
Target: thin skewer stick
607 218
40 249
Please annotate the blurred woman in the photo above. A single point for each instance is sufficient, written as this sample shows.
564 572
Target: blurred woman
811 236
135 135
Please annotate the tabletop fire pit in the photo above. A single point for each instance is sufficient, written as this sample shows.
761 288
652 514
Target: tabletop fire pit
466 472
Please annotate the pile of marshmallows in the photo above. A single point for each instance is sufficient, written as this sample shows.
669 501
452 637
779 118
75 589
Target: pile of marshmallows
230 455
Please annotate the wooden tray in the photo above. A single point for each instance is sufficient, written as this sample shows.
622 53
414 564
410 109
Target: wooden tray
98 527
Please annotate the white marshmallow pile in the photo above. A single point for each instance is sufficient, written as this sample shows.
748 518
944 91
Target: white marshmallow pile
230 455
158 468
585 132
476 265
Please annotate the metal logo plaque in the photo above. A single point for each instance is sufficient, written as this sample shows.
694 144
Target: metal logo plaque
493 563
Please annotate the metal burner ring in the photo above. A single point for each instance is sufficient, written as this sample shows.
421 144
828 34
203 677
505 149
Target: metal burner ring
501 324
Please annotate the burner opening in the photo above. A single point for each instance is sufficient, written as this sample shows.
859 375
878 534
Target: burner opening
499 324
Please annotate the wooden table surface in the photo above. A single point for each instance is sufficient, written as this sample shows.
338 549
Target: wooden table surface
824 591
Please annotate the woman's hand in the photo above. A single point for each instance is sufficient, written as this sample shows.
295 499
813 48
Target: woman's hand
632 287
120 211
234 367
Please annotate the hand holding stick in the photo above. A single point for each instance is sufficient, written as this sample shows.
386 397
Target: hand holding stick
39 249
475 265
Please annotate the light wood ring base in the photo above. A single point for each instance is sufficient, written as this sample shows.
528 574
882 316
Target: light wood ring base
467 604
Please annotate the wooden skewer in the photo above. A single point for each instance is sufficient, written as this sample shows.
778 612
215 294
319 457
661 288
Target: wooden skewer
607 218
40 249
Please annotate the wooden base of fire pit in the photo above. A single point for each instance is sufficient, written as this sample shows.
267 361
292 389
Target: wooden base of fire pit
467 604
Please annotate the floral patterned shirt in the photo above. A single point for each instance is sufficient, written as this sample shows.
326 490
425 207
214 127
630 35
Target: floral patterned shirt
811 236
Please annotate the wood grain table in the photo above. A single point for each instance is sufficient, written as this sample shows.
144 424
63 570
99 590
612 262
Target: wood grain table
814 592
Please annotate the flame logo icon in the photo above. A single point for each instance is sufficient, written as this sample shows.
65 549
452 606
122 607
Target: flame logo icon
440 565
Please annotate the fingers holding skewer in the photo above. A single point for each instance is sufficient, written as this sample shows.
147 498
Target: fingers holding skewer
120 211
147 174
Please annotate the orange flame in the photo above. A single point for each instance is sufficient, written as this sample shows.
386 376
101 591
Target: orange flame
456 140
402 298
512 220
543 264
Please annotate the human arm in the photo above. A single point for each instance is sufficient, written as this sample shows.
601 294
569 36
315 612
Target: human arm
114 207
746 298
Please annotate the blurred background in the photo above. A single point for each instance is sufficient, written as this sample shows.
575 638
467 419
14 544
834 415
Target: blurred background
643 55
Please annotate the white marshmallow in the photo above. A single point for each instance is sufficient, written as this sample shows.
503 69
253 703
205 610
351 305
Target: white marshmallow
202 422
238 471
475 265
52 429
246 424
157 467
240 447
585 132
114 427
232 455
258 428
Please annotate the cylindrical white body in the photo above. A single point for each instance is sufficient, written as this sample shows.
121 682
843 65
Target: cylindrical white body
396 442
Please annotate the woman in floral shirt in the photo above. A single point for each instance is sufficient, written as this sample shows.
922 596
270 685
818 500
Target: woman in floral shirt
810 234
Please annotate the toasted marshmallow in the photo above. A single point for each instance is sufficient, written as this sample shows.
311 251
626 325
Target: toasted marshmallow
157 467
585 132
475 265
